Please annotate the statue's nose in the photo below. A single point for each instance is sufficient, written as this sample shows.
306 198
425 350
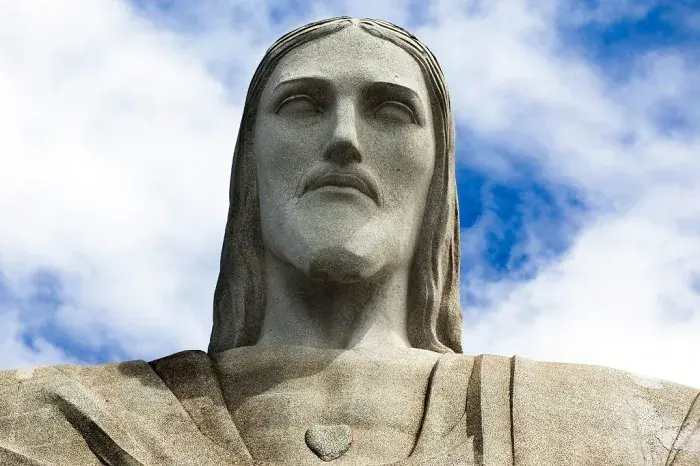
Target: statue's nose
344 147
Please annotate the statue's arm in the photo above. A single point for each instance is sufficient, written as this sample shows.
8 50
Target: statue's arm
8 456
120 414
686 447
10 446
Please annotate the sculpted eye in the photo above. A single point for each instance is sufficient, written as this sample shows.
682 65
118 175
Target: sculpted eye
298 105
395 111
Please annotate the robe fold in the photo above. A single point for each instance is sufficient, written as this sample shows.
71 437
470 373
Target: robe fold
483 410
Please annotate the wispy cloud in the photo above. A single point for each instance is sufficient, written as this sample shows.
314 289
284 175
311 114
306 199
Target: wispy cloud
578 159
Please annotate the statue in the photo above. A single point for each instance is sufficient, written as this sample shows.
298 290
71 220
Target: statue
337 323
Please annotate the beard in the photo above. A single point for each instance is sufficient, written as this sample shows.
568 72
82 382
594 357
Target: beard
339 264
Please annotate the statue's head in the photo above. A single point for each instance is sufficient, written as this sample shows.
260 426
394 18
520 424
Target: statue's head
344 169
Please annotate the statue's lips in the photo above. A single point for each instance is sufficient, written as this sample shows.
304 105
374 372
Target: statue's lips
344 180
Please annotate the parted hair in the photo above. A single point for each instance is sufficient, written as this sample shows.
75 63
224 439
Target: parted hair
434 314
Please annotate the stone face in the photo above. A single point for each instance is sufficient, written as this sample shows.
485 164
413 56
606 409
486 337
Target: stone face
337 324
347 138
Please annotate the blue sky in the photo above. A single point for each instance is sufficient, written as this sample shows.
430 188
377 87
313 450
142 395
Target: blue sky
576 128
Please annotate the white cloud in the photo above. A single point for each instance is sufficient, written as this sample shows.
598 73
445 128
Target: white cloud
115 158
117 135
16 354
625 295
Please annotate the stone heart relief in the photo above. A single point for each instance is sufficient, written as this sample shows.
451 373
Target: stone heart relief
328 442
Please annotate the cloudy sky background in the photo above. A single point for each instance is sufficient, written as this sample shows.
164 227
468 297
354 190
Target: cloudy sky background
578 169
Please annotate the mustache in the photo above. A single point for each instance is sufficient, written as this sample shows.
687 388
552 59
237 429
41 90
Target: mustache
354 177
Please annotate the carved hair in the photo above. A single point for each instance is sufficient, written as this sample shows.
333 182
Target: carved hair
435 317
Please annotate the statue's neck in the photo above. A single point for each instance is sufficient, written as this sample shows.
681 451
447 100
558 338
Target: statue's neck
303 311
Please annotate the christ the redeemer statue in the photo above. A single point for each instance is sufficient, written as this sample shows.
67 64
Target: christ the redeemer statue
337 322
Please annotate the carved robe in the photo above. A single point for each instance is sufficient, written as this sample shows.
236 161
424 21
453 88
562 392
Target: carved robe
488 410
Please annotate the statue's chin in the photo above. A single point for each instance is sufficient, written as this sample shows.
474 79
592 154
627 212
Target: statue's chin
338 264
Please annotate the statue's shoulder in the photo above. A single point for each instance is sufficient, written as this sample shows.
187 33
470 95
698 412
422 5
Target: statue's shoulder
34 387
45 412
590 408
588 380
121 413
177 369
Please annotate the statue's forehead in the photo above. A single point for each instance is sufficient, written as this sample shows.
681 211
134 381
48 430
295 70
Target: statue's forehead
351 54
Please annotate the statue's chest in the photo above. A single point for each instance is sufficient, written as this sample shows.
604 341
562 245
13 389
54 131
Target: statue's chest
383 400
378 404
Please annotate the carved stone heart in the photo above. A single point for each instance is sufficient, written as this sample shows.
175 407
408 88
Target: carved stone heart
328 442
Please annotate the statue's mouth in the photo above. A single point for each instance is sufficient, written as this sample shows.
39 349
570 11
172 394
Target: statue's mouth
345 180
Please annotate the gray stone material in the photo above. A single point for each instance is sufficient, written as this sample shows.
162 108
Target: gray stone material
337 324
474 410
329 442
